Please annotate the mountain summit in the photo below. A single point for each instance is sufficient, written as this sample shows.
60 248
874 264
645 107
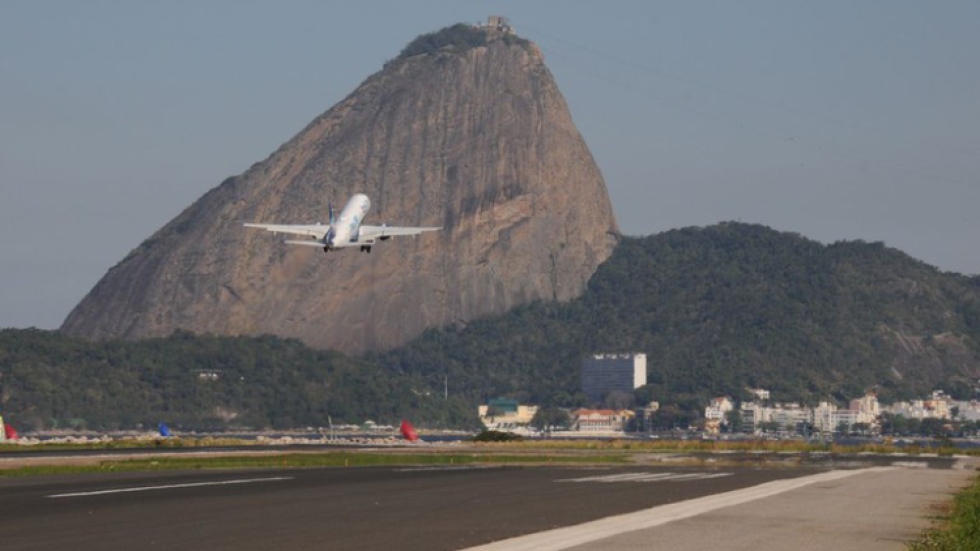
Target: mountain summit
465 129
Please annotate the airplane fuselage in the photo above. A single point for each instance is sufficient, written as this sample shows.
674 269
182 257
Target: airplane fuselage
344 231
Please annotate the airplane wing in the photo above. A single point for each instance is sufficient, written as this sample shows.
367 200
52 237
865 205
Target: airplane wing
382 232
313 230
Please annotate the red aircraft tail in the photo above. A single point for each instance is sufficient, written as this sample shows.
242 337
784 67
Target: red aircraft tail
11 432
408 431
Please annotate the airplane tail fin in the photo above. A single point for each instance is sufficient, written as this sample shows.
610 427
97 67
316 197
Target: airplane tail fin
408 431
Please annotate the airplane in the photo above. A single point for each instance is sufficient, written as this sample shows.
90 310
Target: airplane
344 231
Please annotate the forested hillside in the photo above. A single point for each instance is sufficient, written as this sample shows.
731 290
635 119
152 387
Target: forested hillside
48 380
722 308
715 309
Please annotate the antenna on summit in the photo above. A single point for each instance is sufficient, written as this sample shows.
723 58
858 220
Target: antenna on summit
499 24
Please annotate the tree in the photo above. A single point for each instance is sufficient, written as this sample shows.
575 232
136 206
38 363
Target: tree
769 427
459 37
733 419
617 400
863 429
546 419
933 427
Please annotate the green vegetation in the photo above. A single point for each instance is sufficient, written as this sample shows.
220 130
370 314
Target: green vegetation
493 447
550 418
309 460
459 37
753 446
715 309
497 436
51 381
131 443
722 308
960 529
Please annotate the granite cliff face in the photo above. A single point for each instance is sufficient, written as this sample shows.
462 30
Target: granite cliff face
478 140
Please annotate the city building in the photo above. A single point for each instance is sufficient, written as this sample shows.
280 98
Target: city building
601 420
645 415
505 414
968 411
718 408
754 416
605 373
715 415
938 407
823 417
787 417
759 393
867 405
783 417
862 414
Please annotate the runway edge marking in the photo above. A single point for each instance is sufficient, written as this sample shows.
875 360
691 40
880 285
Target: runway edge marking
171 486
587 532
646 477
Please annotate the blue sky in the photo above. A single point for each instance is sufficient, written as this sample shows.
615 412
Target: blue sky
835 119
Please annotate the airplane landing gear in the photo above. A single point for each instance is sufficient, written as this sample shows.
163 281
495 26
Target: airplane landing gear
366 249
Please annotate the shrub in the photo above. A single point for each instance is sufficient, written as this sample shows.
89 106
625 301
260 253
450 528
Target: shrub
497 436
459 37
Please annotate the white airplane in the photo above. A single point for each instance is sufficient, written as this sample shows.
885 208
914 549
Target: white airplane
345 231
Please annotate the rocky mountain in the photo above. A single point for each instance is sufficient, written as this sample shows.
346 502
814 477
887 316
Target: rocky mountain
466 130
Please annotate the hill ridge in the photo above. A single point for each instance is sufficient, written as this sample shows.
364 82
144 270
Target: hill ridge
716 309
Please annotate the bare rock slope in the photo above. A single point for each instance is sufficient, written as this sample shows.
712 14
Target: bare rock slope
478 140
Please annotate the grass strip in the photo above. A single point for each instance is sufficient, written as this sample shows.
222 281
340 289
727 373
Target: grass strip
133 443
961 529
306 460
665 445
693 446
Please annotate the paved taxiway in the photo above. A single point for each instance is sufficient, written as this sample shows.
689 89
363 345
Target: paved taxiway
404 508
875 509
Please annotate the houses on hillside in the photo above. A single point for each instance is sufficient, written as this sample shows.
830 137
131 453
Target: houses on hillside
863 414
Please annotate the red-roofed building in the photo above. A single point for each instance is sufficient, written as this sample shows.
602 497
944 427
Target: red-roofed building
601 420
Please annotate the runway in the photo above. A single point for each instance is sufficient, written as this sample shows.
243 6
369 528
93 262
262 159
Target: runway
872 506
355 508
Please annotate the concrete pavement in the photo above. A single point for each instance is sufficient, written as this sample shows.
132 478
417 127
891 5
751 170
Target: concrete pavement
861 510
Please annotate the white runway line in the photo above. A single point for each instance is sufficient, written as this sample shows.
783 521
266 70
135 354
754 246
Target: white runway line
647 477
587 532
171 486
447 468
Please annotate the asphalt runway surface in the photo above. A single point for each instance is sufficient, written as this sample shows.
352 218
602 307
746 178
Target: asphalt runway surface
410 508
